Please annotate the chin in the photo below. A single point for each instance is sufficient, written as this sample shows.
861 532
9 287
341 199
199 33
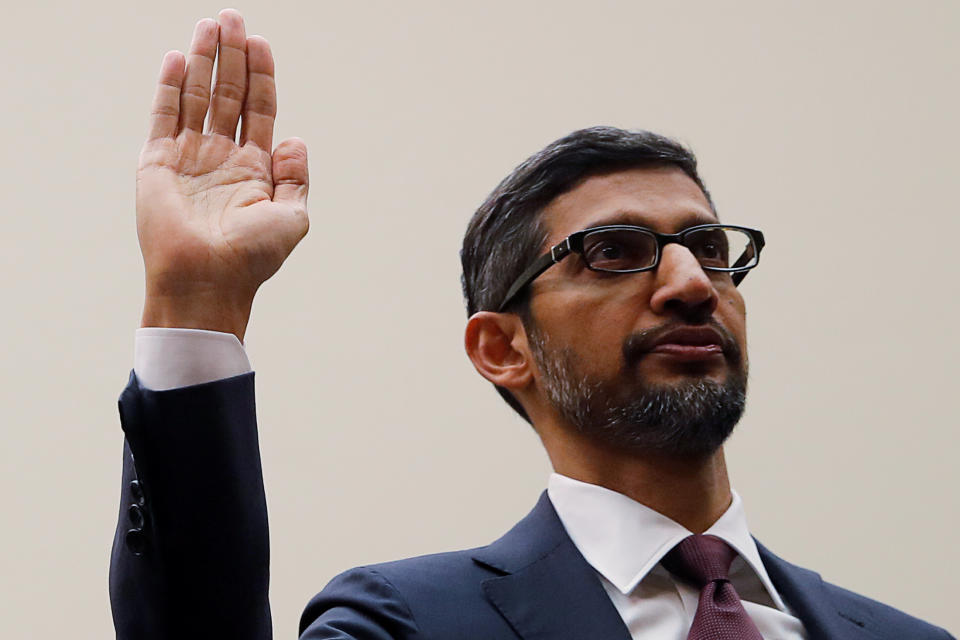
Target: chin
687 372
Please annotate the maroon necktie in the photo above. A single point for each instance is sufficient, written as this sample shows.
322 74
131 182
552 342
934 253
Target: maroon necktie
704 561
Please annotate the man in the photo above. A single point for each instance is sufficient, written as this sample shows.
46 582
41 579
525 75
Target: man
603 302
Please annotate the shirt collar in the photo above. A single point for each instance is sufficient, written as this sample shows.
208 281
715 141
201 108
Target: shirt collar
624 540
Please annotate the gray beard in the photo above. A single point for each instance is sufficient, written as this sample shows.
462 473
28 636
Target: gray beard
688 419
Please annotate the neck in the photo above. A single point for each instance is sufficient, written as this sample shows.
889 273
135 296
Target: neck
693 491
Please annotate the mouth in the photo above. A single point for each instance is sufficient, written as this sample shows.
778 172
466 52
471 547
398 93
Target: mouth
688 352
686 344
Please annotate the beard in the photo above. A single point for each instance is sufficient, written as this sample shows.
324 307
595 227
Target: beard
691 418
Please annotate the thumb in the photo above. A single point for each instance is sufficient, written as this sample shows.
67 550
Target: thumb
291 179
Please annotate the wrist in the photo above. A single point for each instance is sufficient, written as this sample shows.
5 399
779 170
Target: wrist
212 311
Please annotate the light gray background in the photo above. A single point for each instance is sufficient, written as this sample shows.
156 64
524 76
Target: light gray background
831 126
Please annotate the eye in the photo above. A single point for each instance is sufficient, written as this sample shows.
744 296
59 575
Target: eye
711 250
619 249
710 246
611 251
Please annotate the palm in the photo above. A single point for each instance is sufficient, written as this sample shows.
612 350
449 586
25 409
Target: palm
207 204
214 215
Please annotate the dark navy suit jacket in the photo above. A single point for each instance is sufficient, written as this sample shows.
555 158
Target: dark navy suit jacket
191 554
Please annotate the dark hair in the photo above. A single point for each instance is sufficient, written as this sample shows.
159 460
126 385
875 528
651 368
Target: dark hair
505 234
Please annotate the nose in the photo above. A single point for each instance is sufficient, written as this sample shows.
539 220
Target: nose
682 287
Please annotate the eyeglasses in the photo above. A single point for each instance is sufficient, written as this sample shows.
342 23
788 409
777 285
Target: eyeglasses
621 248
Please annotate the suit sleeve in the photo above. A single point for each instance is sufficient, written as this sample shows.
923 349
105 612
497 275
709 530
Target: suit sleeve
360 604
191 552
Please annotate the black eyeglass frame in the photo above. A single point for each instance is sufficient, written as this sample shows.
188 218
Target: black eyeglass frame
574 244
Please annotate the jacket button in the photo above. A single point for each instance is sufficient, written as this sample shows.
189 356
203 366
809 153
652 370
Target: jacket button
137 516
136 541
136 492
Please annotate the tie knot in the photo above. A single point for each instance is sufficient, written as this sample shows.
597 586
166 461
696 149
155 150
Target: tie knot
700 559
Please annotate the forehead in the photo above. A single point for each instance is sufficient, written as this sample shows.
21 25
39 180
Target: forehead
664 199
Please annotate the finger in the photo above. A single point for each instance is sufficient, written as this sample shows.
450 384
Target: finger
165 110
196 86
260 106
291 180
230 88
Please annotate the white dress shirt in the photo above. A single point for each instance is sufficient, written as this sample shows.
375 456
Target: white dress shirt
621 539
171 358
624 542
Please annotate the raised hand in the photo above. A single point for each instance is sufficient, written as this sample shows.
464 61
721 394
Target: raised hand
216 218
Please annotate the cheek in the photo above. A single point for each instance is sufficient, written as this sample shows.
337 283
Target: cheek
602 332
595 331
735 308
734 317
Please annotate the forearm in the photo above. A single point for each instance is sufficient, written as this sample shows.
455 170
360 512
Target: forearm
199 566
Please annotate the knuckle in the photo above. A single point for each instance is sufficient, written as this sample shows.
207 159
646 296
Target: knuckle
227 89
261 106
165 111
197 91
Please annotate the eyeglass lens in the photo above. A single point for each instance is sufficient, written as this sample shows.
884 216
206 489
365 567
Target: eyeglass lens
634 249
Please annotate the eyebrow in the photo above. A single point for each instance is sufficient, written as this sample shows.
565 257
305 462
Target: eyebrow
636 218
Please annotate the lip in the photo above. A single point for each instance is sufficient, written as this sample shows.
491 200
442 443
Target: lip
704 344
688 353
689 344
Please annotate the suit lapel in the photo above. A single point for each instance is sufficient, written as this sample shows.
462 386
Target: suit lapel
547 589
806 594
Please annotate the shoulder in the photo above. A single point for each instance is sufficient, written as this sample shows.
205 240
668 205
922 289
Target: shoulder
440 595
868 613
402 599
438 575
833 611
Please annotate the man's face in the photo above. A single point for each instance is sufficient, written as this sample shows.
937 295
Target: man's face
655 359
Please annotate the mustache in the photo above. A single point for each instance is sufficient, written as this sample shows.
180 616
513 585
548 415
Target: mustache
637 344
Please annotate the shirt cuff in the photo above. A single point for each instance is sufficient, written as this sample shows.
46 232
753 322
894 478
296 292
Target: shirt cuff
166 358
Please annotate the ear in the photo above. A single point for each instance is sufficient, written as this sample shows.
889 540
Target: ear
497 345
